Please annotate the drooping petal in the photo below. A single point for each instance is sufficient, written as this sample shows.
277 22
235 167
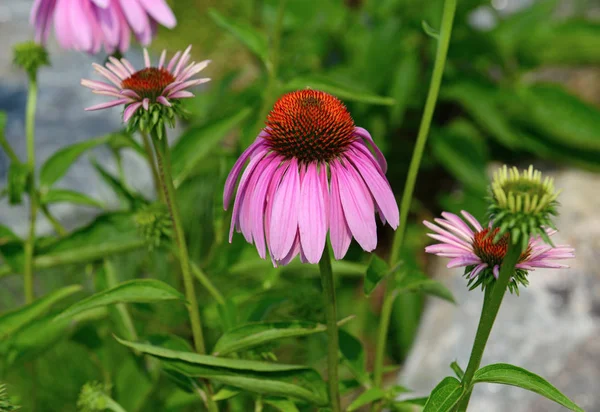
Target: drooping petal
358 206
284 219
296 248
246 217
107 104
237 168
160 12
340 235
472 220
130 110
312 216
463 261
135 14
364 134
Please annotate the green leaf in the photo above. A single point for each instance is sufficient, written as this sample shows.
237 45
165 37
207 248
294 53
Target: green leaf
197 143
253 39
430 31
17 182
57 165
7 235
354 356
298 382
13 321
282 405
225 393
416 281
254 334
444 396
128 198
561 116
378 269
340 90
506 374
70 196
137 290
457 370
368 396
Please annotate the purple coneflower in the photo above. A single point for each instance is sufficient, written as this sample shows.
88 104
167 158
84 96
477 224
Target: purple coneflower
139 89
310 170
473 247
88 25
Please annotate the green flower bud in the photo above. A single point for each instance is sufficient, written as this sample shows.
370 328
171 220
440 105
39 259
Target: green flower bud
522 204
154 224
154 120
30 56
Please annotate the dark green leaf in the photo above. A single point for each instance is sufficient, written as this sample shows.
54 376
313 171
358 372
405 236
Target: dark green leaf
70 196
343 91
506 374
416 281
354 356
13 321
137 290
253 39
368 396
57 165
378 269
7 235
197 143
17 182
444 396
562 116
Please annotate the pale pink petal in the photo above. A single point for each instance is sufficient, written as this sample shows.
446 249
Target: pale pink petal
95 85
258 204
130 110
463 261
163 100
364 134
160 11
146 103
183 94
312 216
472 220
136 16
478 270
237 168
107 104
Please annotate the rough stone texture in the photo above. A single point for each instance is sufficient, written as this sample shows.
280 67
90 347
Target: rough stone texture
60 120
552 329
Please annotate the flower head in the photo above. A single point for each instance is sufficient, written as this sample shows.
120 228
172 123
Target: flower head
30 57
152 89
310 171
89 25
522 204
470 245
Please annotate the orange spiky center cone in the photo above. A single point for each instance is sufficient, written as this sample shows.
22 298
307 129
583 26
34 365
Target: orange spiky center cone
149 82
490 252
309 125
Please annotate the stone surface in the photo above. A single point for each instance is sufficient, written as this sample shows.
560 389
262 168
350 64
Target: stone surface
552 329
60 120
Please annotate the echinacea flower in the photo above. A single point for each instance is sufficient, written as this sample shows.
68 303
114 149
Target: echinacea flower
310 171
163 85
473 247
89 25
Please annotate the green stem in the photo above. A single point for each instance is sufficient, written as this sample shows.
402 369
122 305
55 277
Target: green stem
161 147
112 405
208 285
33 208
58 228
491 305
409 186
332 331
111 282
152 163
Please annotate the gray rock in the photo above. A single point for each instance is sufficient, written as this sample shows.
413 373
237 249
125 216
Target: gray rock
60 120
552 329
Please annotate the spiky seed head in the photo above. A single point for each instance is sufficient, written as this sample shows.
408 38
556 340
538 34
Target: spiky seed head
30 56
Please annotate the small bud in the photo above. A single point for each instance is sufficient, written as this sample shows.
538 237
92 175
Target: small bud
93 397
30 57
522 204
154 224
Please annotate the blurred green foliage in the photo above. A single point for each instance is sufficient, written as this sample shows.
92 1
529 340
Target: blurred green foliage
376 55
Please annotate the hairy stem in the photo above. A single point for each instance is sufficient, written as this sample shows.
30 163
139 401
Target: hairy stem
491 305
332 329
409 186
33 200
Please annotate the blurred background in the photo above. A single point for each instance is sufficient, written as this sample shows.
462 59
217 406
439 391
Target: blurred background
521 86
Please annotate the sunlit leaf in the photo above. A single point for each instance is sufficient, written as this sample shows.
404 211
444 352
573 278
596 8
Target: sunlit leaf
444 396
57 165
18 318
457 370
137 290
513 375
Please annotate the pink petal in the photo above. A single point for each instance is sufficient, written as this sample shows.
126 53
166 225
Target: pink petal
160 11
136 16
472 220
463 261
107 104
478 270
258 204
284 218
293 251
183 94
163 100
358 206
237 168
459 224
95 85
130 110
360 132
146 103
312 216
80 25
340 235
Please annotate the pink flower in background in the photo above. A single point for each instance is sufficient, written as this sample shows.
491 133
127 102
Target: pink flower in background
310 171
473 247
89 25
139 89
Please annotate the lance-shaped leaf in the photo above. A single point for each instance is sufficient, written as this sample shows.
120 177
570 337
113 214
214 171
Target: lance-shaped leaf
294 381
70 196
368 396
444 396
133 291
513 375
13 321
255 334
57 165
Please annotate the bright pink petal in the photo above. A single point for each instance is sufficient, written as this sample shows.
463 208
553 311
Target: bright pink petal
360 132
237 168
472 220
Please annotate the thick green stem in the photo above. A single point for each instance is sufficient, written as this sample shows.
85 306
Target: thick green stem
33 207
491 305
411 179
168 190
152 163
332 329
163 161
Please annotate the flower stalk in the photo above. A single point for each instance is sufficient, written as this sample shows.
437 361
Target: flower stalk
491 305
409 186
332 331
